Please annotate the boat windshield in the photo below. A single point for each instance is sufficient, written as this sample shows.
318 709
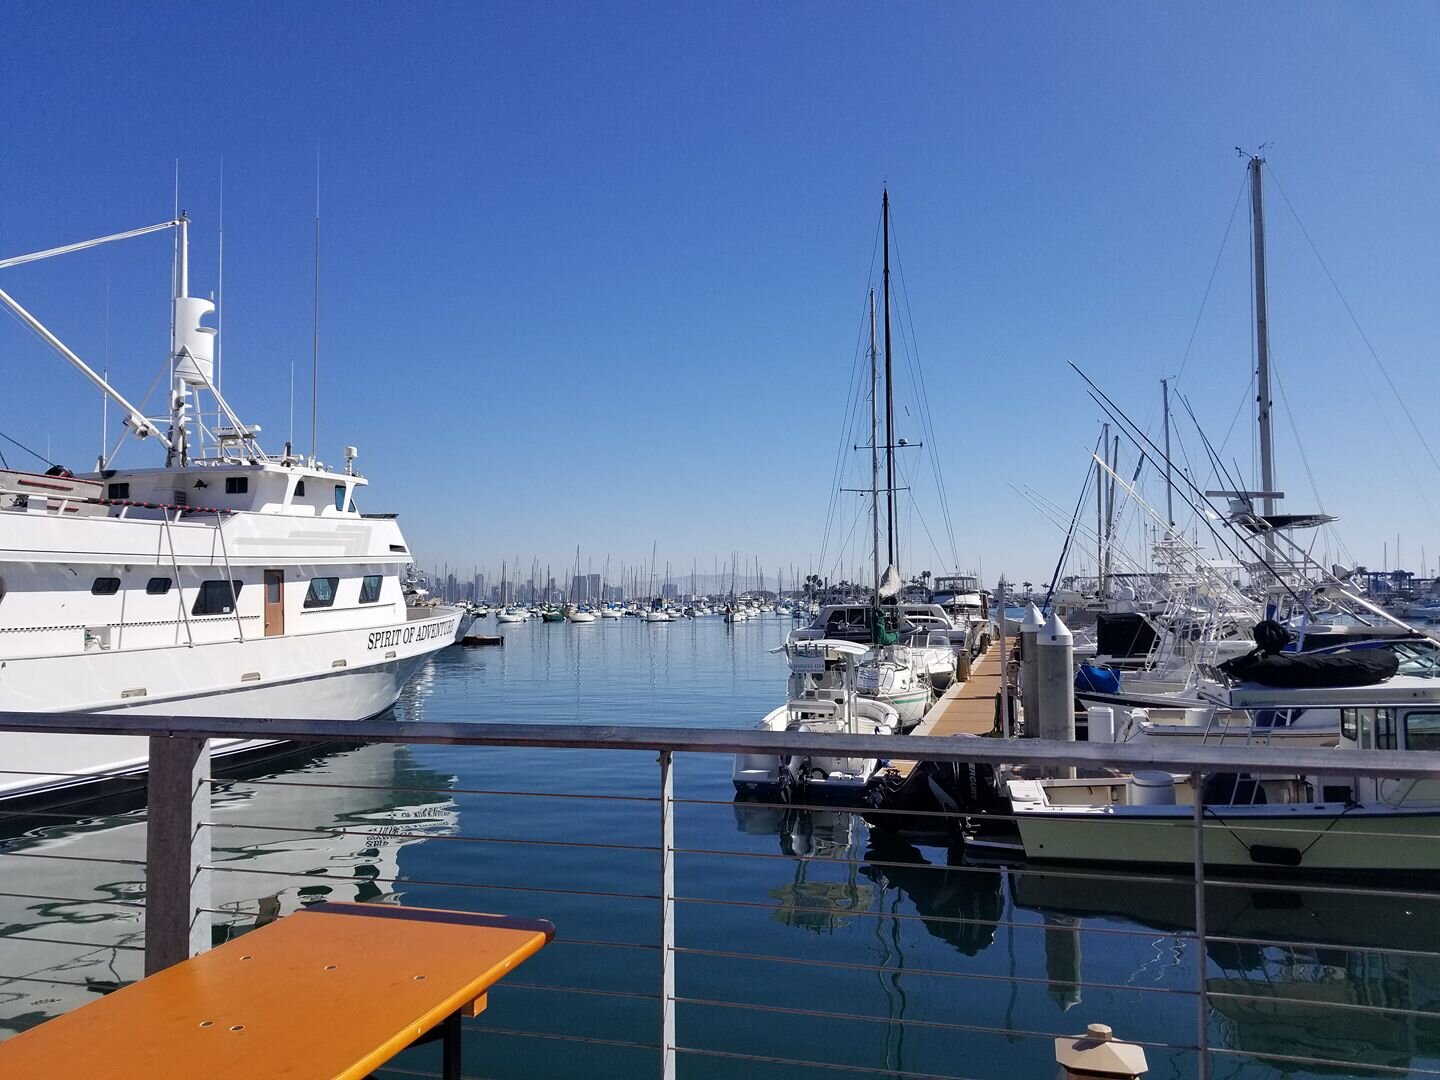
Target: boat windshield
1418 657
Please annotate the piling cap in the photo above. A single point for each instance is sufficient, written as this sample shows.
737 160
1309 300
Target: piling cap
1055 632
1033 620
1099 1053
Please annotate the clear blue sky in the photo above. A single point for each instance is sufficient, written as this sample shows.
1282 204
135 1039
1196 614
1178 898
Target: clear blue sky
593 273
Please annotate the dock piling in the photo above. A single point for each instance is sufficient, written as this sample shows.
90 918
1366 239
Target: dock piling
177 844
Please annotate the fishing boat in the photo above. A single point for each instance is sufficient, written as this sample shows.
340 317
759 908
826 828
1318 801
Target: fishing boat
225 581
821 695
1302 822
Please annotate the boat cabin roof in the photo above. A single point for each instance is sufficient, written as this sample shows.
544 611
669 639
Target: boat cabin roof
1397 691
269 487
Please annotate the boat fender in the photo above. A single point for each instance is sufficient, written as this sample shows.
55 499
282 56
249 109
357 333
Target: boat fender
1270 855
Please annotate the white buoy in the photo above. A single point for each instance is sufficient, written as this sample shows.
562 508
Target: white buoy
1054 682
1029 677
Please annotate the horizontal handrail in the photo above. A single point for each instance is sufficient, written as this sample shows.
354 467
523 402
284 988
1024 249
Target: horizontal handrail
1043 752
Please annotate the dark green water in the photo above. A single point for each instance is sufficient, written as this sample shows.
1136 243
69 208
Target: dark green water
962 972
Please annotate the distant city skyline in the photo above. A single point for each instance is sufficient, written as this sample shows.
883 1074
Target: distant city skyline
598 275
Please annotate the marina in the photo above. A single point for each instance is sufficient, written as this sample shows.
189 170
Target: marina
625 541
785 907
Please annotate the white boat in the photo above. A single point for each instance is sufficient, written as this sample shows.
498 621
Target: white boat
821 697
1314 823
225 582
888 675
511 615
611 613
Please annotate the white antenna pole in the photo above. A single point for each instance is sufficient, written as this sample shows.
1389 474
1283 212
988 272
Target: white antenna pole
315 323
1169 483
220 283
105 374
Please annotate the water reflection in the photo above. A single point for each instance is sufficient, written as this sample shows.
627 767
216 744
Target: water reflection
820 906
71 914
1309 972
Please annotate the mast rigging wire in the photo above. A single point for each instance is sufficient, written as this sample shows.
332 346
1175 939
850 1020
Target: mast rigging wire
22 446
1356 322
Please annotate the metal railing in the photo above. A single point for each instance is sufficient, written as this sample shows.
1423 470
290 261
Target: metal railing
180 868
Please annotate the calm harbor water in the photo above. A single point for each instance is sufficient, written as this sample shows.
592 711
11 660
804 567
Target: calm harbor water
980 961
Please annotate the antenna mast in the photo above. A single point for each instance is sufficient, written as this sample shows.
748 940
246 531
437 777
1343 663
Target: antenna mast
315 321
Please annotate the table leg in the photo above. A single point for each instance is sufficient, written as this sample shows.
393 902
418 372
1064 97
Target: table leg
450 1053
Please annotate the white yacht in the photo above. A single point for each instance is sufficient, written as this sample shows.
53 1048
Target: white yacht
222 582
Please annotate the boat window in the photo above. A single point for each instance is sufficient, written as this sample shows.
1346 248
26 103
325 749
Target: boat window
217 598
105 586
370 589
157 586
119 491
322 592
1422 731
299 488
339 496
1384 729
1349 728
237 485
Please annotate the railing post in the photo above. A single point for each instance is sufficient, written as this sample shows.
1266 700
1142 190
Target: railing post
177 845
667 916
1202 1021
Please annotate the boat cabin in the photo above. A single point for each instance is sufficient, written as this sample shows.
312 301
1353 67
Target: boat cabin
855 622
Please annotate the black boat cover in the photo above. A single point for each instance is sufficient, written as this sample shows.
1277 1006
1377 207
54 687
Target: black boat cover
1365 667
1268 666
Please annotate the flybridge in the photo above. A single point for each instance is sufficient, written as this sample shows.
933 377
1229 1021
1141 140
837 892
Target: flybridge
186 436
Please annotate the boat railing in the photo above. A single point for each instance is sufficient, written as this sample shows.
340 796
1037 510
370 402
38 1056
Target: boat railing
612 989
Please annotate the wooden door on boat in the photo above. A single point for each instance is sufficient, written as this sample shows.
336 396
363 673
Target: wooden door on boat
274 603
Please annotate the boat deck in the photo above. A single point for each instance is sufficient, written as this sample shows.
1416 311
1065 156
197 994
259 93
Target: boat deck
966 708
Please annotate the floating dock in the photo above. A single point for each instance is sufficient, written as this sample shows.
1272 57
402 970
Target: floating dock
472 640
966 708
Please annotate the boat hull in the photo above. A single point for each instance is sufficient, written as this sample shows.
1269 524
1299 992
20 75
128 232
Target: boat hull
338 675
1308 837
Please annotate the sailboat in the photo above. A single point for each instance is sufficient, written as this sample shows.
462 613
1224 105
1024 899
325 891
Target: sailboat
573 612
878 685
896 672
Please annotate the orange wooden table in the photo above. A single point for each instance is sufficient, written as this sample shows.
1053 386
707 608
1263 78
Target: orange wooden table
332 991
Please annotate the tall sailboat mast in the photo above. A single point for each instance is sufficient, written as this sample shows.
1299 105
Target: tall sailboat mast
874 454
1262 341
889 391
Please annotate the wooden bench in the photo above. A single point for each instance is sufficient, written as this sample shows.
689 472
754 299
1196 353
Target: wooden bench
334 990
